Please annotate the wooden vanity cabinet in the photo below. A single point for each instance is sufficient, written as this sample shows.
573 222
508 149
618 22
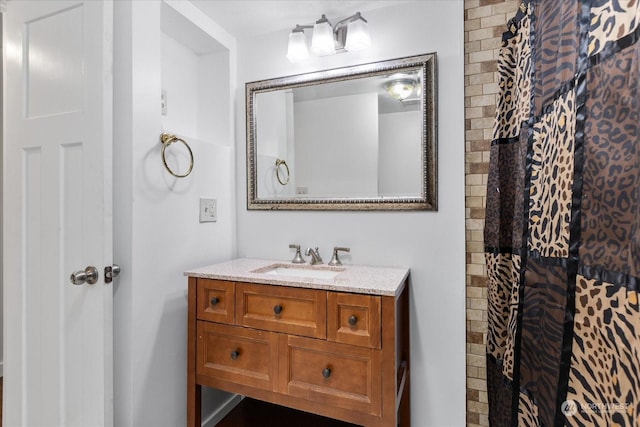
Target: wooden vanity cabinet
340 355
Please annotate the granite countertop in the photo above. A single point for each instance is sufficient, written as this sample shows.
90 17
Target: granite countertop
385 281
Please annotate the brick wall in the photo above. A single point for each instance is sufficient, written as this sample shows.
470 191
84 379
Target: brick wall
484 23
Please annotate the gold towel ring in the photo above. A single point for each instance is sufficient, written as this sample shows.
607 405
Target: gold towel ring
168 139
278 163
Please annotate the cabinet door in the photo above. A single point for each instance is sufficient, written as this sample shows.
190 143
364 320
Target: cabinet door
216 299
237 355
329 373
354 319
281 309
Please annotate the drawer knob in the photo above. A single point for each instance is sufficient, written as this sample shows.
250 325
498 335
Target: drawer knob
215 300
235 354
353 320
277 309
326 372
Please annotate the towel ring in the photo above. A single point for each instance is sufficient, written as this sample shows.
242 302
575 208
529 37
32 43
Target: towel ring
168 139
278 163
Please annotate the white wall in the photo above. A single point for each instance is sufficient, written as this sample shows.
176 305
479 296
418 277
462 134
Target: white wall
276 131
400 140
432 244
324 163
157 234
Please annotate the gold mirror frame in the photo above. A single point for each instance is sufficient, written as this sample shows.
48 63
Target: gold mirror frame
428 201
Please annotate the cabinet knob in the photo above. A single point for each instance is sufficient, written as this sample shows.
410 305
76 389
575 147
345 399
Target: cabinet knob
326 372
277 309
353 320
215 300
235 354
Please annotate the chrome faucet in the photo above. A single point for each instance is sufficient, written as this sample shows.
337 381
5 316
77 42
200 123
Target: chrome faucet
315 256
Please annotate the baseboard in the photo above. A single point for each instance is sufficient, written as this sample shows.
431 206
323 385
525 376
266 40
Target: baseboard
222 411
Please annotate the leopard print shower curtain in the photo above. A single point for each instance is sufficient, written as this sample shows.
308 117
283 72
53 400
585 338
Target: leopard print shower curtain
562 223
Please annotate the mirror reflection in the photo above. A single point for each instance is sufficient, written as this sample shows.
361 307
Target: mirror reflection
344 139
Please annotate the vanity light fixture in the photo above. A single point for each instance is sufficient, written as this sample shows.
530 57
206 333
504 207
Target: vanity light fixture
400 89
350 34
297 45
358 37
322 42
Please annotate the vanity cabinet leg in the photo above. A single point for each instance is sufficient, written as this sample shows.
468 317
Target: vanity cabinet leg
404 412
194 390
193 406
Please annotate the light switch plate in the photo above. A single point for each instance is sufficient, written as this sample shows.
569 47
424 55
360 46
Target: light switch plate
208 210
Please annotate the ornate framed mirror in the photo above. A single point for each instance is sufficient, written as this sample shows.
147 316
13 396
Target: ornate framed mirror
354 138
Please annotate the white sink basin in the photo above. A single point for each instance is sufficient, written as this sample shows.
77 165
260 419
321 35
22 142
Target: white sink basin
291 271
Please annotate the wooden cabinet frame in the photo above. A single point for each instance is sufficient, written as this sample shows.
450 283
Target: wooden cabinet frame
390 387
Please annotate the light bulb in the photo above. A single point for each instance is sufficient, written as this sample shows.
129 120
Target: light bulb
358 37
322 42
400 89
297 50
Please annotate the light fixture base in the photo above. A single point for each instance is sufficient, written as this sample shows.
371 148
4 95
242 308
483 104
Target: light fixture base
340 37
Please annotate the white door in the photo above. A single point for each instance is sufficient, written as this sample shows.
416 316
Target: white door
58 214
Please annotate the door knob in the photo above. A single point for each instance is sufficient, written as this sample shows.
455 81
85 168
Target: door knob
111 272
88 275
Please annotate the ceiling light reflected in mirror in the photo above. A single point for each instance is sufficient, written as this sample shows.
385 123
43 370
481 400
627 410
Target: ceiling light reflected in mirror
400 89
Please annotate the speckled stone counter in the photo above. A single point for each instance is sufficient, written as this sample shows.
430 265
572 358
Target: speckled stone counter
359 279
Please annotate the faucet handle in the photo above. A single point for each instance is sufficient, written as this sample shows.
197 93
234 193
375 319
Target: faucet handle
335 260
298 258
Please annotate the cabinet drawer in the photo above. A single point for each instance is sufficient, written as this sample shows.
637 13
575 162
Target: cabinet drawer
354 319
216 299
239 355
336 374
290 310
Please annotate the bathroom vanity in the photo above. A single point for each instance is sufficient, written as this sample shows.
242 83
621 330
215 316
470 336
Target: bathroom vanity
333 341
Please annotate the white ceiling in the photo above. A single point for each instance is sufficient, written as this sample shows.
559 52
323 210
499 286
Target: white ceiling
243 18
